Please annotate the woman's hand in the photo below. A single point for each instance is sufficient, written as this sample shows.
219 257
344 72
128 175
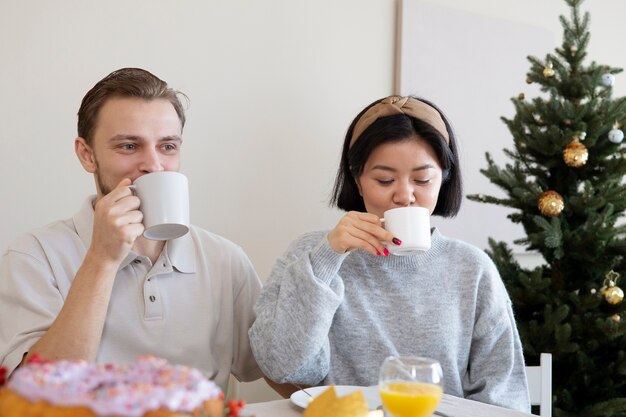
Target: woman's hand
358 230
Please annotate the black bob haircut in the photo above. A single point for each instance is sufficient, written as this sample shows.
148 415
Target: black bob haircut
397 128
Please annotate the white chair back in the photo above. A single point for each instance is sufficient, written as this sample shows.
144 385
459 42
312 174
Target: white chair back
540 384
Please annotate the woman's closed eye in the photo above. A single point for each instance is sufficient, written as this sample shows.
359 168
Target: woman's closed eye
420 181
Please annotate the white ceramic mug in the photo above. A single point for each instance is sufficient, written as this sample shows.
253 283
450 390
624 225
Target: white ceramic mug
164 199
412 226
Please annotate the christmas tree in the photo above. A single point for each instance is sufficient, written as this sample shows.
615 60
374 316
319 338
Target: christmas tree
565 182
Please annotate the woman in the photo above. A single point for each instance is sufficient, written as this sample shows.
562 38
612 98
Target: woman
336 304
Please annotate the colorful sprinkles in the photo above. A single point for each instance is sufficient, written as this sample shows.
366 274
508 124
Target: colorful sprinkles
127 390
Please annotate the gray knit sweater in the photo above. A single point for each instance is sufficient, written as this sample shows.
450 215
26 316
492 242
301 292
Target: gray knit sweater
327 318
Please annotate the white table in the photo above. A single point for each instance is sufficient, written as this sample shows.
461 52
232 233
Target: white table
452 406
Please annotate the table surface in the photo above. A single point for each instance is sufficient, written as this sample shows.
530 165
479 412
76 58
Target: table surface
451 406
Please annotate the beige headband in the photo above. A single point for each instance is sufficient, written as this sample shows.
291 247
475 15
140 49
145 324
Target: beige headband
400 105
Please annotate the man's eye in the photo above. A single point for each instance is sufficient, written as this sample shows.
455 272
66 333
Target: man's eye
128 146
169 147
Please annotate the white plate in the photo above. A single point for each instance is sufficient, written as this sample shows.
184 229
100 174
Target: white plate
301 399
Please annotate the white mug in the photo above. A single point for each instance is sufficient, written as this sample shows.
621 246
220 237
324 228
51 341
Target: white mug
164 203
412 226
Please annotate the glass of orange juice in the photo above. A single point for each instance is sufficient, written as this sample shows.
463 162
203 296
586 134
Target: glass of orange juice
410 386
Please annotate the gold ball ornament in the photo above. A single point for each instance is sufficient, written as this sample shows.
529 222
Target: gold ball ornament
616 318
529 81
548 71
573 49
550 203
575 154
521 96
614 295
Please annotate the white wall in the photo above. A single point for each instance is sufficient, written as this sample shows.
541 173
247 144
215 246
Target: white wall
273 86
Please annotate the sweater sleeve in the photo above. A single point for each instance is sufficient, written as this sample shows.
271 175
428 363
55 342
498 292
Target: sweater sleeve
295 310
496 373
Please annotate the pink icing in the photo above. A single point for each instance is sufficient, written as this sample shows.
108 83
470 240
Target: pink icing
127 390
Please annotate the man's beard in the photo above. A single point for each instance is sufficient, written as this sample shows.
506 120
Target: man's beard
104 189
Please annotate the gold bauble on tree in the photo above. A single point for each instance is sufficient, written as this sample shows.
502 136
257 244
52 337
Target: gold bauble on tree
550 203
548 71
575 154
612 294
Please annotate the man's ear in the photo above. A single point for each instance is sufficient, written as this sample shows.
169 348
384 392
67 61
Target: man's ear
85 155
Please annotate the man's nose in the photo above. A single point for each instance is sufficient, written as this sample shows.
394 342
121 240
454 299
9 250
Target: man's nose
151 161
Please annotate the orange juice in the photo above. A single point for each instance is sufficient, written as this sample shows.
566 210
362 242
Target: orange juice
410 399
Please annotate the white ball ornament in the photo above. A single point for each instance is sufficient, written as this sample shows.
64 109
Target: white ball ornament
616 136
608 80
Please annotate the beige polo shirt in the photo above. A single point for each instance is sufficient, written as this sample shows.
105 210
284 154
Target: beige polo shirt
194 306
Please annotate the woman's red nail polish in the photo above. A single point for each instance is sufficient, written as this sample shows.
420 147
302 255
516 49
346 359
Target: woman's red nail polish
386 252
377 253
396 241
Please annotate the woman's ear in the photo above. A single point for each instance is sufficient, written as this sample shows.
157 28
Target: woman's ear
85 155
356 181
358 186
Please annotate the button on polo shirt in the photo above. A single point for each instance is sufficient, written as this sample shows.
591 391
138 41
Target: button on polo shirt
148 275
137 274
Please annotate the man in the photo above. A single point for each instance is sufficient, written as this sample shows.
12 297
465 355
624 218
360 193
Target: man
92 287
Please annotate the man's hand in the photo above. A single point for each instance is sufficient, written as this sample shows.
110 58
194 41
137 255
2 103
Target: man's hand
117 223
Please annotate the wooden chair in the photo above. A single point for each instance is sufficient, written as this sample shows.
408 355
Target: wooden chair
540 384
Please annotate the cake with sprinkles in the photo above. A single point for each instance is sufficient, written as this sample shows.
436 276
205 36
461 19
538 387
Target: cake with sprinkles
149 387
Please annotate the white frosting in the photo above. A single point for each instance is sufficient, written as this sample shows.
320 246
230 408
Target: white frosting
128 390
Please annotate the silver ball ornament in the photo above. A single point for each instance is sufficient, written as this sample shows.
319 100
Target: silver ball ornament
616 135
608 80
